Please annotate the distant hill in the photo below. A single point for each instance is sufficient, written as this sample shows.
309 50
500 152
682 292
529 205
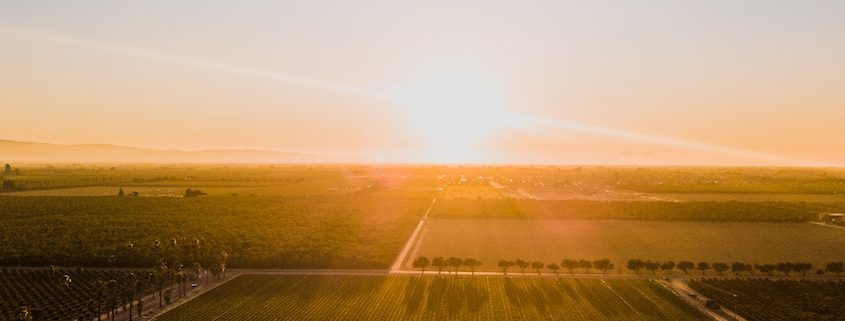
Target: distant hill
29 152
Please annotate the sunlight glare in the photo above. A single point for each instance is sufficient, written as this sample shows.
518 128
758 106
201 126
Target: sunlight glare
453 107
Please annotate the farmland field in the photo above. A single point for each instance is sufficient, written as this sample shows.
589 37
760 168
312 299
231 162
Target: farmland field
491 240
278 297
361 230
767 300
471 192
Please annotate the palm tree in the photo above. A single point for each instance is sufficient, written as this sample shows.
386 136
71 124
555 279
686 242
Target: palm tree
421 262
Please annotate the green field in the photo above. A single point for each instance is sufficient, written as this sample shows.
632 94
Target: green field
278 297
360 230
492 240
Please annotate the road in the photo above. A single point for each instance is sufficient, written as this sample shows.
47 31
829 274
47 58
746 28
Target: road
397 266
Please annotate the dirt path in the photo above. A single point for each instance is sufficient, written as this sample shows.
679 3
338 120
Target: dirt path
695 299
397 266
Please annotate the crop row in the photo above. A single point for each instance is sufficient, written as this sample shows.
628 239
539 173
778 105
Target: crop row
327 297
788 300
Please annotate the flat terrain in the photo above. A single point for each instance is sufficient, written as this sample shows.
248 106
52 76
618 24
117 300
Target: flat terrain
492 240
362 230
316 297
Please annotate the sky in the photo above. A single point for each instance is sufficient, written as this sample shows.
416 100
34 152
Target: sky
686 82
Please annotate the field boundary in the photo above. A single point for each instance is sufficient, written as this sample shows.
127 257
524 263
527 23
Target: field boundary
397 265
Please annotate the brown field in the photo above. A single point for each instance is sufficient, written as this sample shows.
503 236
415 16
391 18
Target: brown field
491 240
471 192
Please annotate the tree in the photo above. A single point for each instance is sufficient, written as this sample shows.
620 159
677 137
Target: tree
537 265
120 192
522 265
472 264
685 266
586 265
652 266
836 267
197 269
803 267
455 263
703 267
8 169
553 266
439 263
738 267
505 265
720 267
421 263
766 268
635 265
785 267
570 265
667 267
603 265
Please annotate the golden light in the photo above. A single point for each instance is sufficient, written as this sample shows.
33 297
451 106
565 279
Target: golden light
454 108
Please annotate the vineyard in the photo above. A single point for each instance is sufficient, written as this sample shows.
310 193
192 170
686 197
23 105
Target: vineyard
774 300
276 297
65 294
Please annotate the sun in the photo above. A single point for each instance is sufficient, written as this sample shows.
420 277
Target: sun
454 108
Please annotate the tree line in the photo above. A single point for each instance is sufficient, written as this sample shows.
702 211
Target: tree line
636 265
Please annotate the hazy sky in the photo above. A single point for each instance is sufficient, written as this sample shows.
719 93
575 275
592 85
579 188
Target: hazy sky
745 82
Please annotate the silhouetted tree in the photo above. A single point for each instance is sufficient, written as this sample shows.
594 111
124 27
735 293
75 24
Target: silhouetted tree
8 169
569 264
439 263
738 267
603 265
472 264
667 267
455 263
685 266
836 267
652 266
635 265
421 263
785 267
554 267
720 267
505 265
586 265
522 265
537 265
703 267
803 267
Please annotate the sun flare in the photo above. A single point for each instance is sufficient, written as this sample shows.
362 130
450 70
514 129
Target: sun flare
453 107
